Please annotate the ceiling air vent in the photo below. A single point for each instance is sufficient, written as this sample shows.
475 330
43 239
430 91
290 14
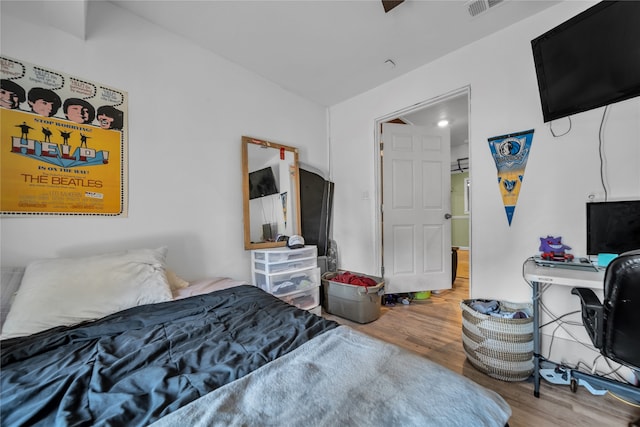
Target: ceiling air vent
476 7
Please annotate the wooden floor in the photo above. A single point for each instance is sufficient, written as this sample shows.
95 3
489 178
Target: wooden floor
433 328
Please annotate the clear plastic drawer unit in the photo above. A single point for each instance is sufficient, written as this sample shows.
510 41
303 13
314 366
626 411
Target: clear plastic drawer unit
270 261
288 282
292 275
305 300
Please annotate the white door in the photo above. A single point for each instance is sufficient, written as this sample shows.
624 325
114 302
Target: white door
416 208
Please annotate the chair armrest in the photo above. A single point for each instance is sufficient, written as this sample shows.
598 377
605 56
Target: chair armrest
592 314
588 298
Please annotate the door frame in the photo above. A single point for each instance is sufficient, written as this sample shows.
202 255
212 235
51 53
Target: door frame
377 168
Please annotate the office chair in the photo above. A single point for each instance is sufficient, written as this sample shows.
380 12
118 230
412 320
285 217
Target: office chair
614 325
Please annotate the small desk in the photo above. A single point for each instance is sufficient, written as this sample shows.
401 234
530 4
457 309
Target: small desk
539 275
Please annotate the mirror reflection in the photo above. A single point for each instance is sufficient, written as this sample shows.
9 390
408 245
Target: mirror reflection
271 193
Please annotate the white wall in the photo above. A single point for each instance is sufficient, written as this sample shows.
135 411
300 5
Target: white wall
560 174
188 109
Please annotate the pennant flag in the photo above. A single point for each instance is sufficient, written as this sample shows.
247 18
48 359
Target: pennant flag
510 153
283 200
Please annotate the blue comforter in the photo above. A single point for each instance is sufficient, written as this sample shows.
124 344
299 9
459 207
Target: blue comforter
136 366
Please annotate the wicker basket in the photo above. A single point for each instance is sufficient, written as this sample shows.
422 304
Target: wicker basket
500 347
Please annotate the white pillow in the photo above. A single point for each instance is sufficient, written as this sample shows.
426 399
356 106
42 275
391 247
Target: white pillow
67 291
9 283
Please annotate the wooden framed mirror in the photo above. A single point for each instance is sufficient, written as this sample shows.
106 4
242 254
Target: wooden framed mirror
271 193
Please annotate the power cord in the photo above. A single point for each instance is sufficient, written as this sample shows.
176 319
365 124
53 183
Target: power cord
600 146
635 405
560 317
600 151
593 368
563 134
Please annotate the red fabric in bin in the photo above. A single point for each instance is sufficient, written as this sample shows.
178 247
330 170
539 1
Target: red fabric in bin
354 279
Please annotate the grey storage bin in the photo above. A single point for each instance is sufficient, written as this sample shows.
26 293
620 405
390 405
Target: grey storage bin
357 303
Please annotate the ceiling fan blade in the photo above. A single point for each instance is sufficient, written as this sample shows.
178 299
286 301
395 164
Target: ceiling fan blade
390 4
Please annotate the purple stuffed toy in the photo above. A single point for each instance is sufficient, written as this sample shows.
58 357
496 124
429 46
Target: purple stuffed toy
553 248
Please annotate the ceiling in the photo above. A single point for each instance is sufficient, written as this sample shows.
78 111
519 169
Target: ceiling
327 50
454 109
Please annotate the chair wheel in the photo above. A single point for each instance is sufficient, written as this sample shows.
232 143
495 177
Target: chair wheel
573 385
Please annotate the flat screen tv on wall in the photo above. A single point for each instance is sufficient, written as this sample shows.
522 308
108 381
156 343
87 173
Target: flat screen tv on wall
589 61
262 183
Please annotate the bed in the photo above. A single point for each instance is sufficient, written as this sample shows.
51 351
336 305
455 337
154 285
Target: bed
118 339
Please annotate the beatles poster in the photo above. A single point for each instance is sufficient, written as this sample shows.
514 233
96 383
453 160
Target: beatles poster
63 143
510 153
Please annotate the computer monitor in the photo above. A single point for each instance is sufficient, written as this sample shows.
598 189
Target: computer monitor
613 227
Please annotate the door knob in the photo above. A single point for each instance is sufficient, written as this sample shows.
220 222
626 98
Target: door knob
447 216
